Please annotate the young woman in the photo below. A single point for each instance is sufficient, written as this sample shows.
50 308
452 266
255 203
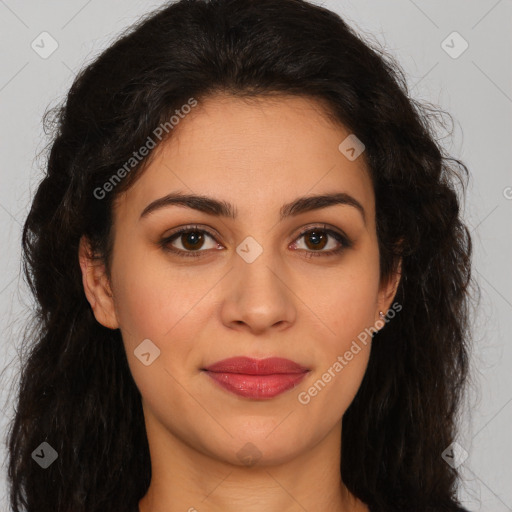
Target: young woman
252 277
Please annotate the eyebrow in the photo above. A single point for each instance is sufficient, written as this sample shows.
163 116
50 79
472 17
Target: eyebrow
220 208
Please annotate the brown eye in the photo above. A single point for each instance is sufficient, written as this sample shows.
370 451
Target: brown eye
318 238
191 240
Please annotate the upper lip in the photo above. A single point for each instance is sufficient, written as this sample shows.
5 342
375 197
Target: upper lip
249 366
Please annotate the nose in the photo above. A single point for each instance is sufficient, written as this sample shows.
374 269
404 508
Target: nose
259 296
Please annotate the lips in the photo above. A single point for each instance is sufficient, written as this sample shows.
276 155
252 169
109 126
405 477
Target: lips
248 366
256 378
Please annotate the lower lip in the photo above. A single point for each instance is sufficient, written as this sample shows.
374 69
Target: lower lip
258 387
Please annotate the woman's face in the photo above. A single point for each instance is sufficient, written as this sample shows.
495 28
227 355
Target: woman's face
247 284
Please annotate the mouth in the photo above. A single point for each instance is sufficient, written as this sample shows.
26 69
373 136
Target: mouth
257 379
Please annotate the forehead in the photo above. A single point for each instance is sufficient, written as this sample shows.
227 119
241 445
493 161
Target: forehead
256 154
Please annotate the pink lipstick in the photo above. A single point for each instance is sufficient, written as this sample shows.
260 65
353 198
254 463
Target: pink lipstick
258 379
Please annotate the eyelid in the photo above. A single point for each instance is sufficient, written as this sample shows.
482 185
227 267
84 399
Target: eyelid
331 231
324 227
336 233
175 234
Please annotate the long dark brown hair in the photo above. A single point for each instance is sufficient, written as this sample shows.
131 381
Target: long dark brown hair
76 391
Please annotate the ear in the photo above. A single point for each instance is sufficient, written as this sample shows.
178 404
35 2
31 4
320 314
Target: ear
97 286
388 290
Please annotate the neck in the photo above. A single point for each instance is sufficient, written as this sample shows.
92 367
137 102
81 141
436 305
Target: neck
186 479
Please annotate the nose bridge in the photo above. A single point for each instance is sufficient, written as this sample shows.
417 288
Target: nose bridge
260 297
257 265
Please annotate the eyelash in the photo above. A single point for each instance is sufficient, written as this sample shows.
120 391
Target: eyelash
342 239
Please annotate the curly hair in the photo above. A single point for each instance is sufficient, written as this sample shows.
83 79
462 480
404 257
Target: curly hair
76 391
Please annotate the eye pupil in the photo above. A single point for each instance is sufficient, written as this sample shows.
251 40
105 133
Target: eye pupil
192 239
317 238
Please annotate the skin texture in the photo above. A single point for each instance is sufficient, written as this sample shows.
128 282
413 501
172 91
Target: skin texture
258 156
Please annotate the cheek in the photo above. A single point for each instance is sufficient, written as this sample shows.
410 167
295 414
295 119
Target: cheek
350 310
345 304
342 347
153 297
325 398
167 305
346 300
153 304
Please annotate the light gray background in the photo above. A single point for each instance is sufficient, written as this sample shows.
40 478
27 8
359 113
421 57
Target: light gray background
476 88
